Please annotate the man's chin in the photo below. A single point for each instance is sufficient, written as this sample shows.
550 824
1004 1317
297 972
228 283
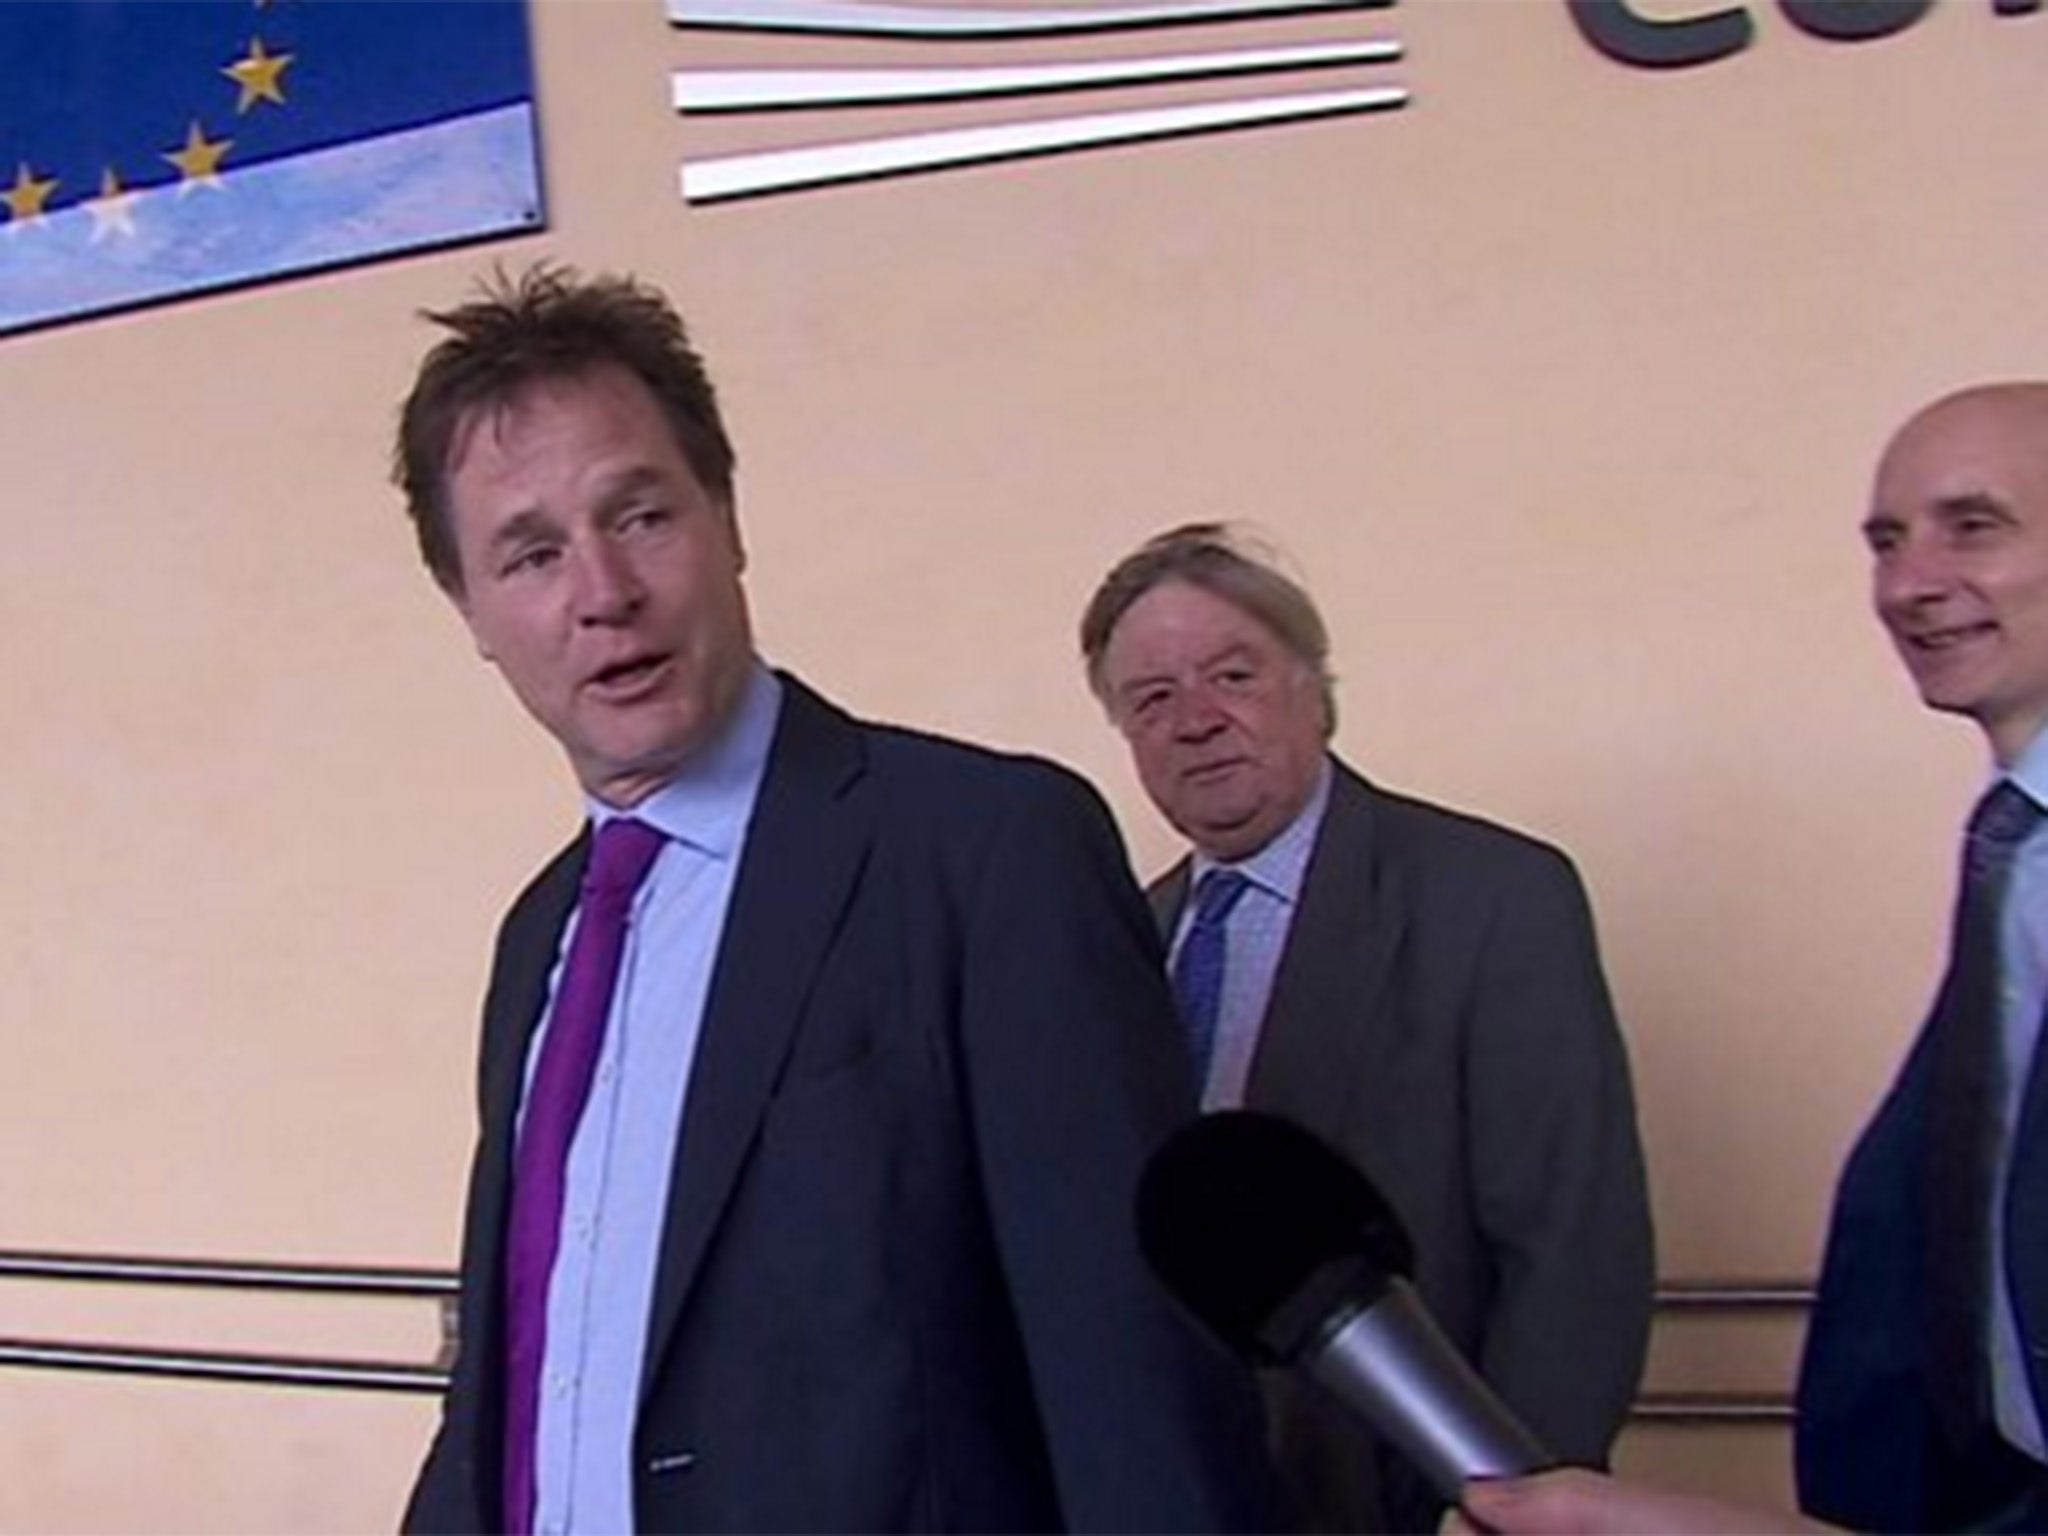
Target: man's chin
1948 698
625 779
1224 837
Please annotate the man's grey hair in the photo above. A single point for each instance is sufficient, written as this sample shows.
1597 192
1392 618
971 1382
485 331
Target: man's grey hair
1229 562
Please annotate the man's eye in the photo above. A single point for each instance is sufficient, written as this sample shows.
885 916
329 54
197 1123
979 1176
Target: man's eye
642 519
536 558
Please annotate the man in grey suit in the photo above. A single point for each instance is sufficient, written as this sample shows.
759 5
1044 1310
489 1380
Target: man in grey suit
1419 987
817 1070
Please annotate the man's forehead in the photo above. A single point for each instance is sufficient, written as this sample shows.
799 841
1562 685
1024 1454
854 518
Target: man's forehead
1191 616
1991 419
1978 443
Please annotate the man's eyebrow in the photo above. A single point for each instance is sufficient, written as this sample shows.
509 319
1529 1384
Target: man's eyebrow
520 527
1964 502
628 483
1141 681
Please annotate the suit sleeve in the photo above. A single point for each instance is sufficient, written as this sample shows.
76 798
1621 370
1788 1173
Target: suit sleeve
1074 1075
1867 1452
1557 1168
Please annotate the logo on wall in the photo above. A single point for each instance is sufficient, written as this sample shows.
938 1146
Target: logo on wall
1680 40
983 34
154 148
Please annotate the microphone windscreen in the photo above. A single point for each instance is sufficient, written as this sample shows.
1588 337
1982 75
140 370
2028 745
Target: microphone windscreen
1240 1213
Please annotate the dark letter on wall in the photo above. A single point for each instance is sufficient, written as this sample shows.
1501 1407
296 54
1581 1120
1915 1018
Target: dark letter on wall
1854 21
1618 32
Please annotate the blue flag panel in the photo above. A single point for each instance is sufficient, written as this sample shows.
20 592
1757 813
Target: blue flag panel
158 147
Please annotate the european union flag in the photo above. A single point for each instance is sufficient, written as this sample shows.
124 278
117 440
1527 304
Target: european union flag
159 147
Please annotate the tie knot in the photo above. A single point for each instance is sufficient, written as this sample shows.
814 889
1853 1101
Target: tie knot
620 856
1216 893
2004 817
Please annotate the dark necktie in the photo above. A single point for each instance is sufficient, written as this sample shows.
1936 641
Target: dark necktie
1198 968
619 859
1963 1108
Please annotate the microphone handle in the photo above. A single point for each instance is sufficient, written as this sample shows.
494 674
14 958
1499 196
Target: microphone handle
1390 1362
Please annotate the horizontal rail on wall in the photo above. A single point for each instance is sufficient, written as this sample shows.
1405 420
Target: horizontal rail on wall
377 1280
1694 1409
1697 1410
1734 1296
329 1279
212 1365
1686 1408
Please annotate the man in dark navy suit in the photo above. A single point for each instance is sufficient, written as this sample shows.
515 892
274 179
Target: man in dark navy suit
1926 1371
814 1213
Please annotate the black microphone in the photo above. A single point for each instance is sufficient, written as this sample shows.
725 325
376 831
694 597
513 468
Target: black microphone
1286 1252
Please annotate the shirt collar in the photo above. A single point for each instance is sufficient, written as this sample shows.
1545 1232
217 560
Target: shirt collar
2030 770
1280 866
707 804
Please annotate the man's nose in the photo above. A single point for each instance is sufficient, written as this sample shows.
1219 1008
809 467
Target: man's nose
1197 715
1913 571
608 589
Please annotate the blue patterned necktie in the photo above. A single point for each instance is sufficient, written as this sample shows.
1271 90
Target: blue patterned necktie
1963 1109
1198 968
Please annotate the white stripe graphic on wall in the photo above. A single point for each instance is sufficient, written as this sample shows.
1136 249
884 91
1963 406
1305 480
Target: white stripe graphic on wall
752 174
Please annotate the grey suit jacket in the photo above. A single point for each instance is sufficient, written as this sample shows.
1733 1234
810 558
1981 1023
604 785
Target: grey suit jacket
899 1289
1440 1016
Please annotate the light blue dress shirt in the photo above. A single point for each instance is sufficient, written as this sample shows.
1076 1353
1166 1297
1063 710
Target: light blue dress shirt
2023 994
616 1198
1254 937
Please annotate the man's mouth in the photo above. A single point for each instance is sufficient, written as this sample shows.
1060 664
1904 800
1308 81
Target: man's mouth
627 677
1932 642
1203 773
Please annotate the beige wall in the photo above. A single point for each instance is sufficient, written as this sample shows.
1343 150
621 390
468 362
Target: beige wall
1562 386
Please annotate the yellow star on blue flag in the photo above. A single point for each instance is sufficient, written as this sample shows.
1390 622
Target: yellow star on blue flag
324 132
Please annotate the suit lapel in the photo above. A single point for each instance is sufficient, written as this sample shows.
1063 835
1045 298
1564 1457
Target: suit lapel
2025 1210
1167 895
526 954
805 845
1339 955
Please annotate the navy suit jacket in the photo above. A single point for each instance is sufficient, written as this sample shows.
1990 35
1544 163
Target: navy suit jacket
1441 1016
899 1286
1870 1450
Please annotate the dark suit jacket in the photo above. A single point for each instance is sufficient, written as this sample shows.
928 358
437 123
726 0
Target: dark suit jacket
899 1289
1870 1449
1440 1015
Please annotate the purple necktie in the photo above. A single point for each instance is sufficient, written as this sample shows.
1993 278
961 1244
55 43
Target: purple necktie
1198 968
619 860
